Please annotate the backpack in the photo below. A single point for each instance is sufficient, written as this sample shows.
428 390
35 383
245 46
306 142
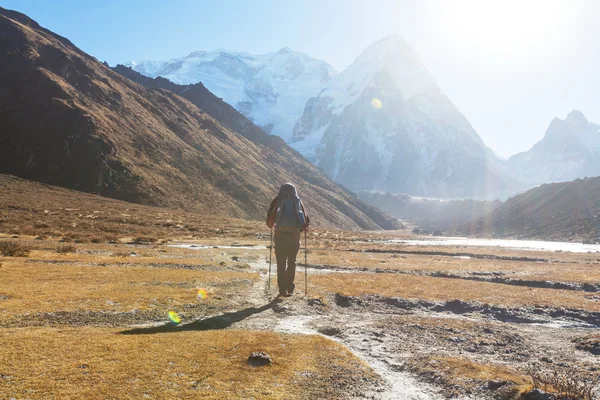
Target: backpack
289 209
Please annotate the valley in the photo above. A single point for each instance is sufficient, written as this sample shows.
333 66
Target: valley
135 261
381 319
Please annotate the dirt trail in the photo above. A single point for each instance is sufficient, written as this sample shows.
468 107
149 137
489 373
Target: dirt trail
295 315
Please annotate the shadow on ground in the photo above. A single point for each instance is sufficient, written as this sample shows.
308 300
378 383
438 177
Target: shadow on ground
212 323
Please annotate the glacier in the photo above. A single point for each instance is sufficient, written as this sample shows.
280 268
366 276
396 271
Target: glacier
270 89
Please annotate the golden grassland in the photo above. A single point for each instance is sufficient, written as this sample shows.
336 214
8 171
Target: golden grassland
580 271
468 375
443 289
54 345
38 287
76 358
99 363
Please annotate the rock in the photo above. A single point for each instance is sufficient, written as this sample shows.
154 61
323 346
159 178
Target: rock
330 331
259 359
280 308
537 394
547 360
316 302
496 384
235 258
437 233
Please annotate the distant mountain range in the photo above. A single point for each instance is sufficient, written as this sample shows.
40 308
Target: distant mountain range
70 121
383 124
430 215
569 150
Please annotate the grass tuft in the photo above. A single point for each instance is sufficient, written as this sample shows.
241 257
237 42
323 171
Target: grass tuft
67 248
14 249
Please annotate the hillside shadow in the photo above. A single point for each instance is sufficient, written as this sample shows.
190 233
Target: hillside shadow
212 323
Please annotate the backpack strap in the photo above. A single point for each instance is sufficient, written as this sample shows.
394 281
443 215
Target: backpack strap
272 213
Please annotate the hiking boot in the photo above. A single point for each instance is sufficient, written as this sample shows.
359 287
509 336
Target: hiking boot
282 294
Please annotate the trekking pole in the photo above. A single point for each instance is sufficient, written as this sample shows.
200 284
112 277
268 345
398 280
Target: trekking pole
305 268
270 253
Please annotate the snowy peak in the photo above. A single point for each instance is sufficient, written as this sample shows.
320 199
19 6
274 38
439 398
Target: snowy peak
569 150
383 124
390 48
575 125
391 63
269 89
576 118
392 55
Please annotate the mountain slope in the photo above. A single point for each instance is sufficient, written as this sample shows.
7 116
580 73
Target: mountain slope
431 214
70 121
555 211
569 150
383 124
271 89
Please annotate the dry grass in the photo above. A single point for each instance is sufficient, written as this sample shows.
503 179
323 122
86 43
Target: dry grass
42 288
574 385
467 375
99 364
67 248
443 289
579 271
32 209
14 249
89 362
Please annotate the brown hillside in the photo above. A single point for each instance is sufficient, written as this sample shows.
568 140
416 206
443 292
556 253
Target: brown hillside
555 211
70 121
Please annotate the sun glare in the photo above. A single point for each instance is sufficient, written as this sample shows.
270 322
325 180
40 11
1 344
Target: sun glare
376 103
506 27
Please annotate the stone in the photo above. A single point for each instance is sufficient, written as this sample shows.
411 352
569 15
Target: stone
538 394
496 384
259 359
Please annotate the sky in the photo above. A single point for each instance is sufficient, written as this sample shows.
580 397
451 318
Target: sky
509 66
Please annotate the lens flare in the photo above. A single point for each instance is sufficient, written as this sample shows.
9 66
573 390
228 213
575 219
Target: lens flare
174 317
376 103
202 294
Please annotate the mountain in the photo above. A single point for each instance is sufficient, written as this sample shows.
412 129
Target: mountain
383 124
569 150
554 211
270 89
431 214
70 121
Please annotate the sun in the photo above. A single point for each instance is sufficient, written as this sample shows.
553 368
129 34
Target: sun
504 27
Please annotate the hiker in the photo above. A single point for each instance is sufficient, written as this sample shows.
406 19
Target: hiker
288 216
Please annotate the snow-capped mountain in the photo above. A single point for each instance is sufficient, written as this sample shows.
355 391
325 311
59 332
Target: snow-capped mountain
569 150
383 124
270 89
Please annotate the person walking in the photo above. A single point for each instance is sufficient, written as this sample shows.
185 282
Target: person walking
288 217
